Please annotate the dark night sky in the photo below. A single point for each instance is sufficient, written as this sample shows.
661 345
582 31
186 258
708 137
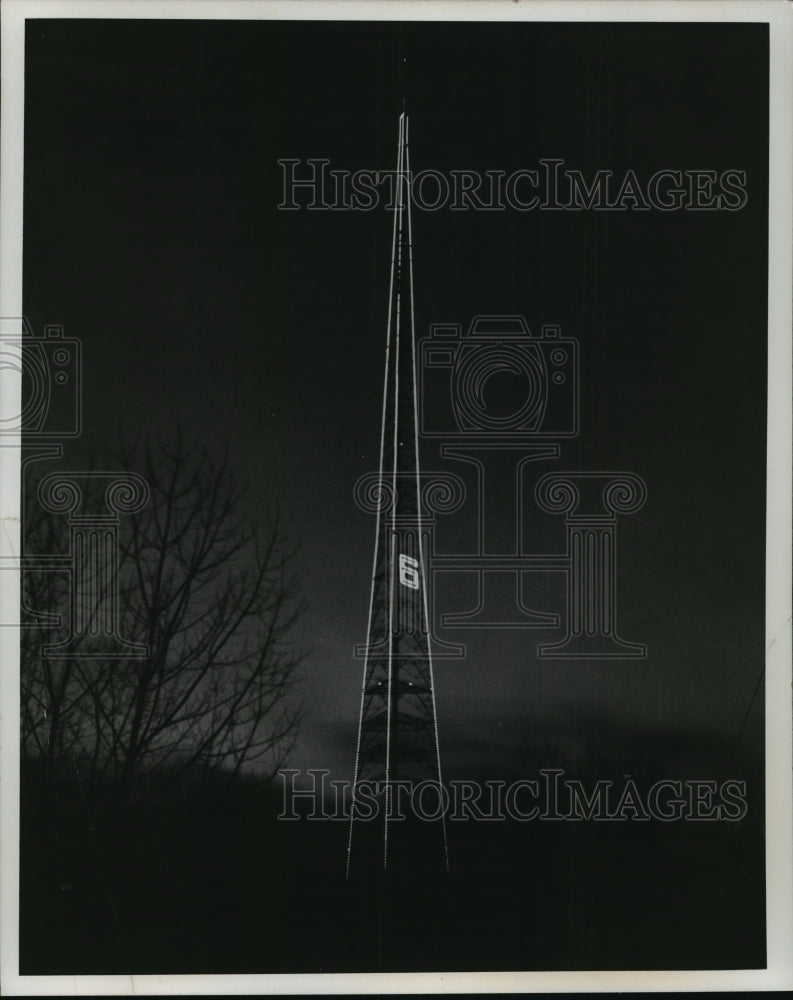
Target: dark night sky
152 234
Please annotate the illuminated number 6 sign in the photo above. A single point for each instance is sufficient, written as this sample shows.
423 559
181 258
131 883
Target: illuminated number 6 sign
408 572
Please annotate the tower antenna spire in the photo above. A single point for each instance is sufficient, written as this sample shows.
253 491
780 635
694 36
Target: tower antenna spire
398 730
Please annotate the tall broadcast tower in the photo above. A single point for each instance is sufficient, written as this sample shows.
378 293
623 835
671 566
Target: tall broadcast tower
398 732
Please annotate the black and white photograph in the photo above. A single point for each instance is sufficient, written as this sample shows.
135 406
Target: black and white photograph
395 441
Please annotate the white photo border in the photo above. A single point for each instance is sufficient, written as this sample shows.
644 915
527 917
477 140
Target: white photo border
778 975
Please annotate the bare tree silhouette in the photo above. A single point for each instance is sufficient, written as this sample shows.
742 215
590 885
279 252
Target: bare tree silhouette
207 591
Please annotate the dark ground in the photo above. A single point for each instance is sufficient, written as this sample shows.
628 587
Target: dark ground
204 880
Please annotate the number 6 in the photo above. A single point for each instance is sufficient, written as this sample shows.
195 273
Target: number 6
408 572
